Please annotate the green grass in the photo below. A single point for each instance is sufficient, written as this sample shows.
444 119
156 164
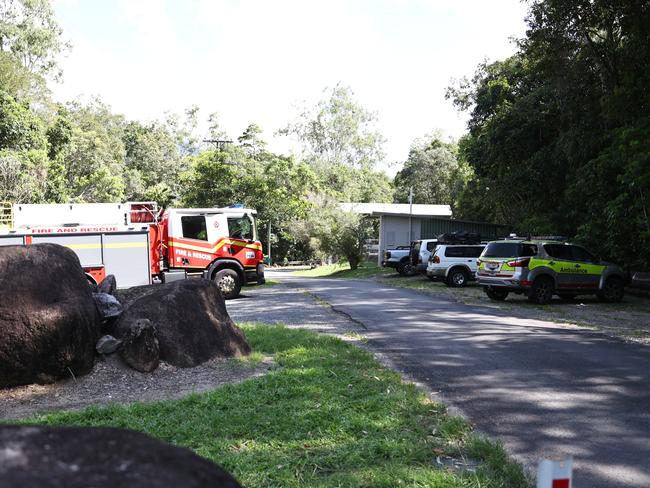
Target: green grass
342 270
328 415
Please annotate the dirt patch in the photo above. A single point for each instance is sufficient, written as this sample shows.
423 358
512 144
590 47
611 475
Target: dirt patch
111 381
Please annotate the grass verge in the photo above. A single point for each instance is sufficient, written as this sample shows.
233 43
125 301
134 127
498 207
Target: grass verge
328 416
342 270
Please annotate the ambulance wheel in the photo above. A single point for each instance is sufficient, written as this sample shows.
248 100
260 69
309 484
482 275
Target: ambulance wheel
229 283
496 295
542 291
612 291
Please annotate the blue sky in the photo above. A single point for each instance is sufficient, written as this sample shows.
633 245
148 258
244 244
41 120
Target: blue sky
260 60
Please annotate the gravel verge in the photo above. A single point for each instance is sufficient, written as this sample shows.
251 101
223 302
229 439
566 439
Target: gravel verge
112 381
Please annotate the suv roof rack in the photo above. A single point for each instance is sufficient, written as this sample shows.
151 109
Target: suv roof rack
515 237
512 237
550 238
459 238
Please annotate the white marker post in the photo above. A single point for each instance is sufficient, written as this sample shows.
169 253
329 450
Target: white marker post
554 474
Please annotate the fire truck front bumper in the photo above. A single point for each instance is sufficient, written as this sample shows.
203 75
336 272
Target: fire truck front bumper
256 276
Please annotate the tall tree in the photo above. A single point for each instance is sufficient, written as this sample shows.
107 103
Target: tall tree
93 158
152 163
23 152
29 31
338 131
251 140
339 140
434 172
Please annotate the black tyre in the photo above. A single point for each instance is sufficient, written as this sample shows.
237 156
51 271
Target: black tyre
229 283
496 294
542 291
457 278
613 290
406 269
91 281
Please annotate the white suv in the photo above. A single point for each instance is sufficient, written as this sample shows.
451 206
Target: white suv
454 263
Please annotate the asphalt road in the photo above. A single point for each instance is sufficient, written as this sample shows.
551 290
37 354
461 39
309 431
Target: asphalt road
543 389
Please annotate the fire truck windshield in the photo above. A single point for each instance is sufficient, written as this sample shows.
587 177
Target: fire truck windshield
241 227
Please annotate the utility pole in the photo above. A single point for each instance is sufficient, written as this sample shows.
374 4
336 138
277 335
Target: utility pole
270 242
220 144
410 214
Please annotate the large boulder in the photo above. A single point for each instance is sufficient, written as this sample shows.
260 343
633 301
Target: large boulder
48 320
191 321
78 457
140 347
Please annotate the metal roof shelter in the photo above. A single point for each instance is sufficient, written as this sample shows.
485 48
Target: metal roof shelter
401 209
424 222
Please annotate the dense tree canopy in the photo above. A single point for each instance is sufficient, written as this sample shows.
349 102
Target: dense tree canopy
433 171
558 133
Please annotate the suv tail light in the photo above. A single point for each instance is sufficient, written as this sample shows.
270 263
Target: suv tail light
436 259
519 263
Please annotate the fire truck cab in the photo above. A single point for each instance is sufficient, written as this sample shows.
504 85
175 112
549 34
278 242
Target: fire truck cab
220 243
141 245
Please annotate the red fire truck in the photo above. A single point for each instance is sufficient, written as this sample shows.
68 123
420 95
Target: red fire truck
141 245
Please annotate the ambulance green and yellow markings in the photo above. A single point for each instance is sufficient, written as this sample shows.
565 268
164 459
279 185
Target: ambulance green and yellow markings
571 267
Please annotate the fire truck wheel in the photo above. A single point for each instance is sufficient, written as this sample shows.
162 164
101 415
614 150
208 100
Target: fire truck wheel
228 282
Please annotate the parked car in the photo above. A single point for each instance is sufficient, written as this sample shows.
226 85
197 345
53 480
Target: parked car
455 264
421 251
541 268
400 259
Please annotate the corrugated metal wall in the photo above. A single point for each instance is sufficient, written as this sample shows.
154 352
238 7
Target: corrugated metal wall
431 228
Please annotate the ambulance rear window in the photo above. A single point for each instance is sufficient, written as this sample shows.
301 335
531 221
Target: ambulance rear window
558 251
509 250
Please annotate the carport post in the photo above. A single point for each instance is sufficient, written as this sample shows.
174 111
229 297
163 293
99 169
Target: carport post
410 214
380 252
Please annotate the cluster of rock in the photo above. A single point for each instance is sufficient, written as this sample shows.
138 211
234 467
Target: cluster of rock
52 322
